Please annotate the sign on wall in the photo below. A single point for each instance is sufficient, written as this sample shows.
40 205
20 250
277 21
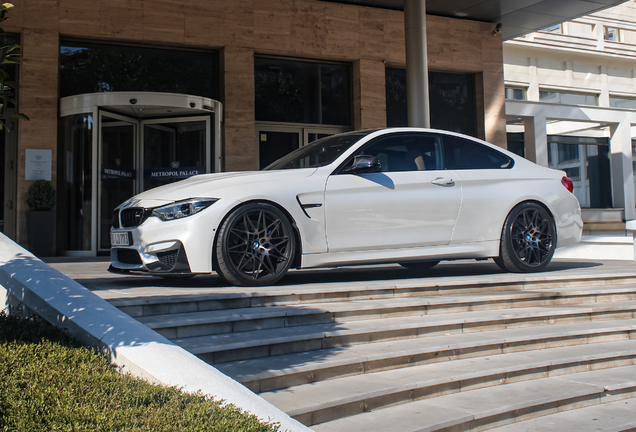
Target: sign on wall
38 164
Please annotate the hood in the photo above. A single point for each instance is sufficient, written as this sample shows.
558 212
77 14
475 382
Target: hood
212 186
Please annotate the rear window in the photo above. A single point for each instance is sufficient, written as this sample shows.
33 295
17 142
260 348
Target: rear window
463 154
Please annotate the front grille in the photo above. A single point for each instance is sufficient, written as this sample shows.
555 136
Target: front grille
128 256
133 217
168 259
116 219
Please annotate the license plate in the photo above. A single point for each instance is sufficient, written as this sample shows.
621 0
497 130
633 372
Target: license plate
120 239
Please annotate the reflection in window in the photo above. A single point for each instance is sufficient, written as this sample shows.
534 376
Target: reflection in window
295 91
93 68
452 100
587 162
567 98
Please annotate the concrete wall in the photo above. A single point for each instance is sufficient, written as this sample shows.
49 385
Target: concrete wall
367 37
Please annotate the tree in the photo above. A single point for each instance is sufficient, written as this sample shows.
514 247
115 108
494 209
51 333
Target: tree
9 55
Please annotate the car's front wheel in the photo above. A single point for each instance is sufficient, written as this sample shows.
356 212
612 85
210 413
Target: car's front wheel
255 245
528 239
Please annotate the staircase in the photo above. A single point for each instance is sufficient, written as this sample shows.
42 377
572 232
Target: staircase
422 352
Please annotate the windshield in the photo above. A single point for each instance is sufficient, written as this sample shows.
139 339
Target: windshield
318 153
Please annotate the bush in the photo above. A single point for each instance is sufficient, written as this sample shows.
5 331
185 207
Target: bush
40 196
49 382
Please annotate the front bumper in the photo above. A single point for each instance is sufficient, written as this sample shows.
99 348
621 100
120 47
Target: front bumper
182 246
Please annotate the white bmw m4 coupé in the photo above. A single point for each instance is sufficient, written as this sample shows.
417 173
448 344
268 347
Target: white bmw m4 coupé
405 195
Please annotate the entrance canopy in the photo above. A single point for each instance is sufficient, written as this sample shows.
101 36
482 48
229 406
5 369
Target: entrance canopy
517 17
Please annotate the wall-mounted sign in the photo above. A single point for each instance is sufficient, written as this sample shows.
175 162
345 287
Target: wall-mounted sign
171 173
38 164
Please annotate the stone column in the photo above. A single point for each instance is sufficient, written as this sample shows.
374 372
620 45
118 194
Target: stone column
622 171
416 63
536 139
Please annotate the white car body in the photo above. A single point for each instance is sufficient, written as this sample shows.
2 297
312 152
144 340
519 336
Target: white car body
346 219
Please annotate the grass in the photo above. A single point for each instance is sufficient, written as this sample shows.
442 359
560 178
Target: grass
48 381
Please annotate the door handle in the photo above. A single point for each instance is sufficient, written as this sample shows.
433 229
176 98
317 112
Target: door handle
441 181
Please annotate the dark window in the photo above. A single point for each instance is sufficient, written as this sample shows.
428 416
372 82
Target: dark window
406 152
294 91
93 68
451 100
462 154
567 98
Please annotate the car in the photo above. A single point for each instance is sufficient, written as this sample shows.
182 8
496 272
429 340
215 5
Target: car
411 196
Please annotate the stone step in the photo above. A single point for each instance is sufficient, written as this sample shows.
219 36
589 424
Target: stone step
284 371
199 299
498 405
190 324
220 348
329 400
606 417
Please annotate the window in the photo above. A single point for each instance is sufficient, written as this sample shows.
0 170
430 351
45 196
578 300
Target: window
462 154
295 91
621 102
611 34
567 98
515 94
451 98
553 29
93 68
406 152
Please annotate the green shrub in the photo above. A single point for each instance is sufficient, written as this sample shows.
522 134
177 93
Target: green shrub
50 382
40 196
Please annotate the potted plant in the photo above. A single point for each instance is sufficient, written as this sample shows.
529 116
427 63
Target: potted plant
41 218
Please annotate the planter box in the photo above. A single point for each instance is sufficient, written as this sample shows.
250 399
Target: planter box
41 232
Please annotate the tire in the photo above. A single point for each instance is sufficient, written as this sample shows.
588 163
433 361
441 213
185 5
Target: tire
255 245
419 265
528 239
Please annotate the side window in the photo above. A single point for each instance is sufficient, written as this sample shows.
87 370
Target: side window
463 154
406 152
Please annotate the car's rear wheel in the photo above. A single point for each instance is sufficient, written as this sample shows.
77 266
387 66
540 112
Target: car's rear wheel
528 239
419 265
255 245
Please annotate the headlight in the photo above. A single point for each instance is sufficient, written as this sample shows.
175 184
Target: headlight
181 209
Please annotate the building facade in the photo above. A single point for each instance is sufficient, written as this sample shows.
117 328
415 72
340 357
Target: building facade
571 105
124 96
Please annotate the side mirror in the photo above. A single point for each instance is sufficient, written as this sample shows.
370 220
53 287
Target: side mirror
363 164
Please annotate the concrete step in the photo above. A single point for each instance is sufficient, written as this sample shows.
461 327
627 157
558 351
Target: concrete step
605 417
225 347
284 371
200 299
190 324
329 400
498 405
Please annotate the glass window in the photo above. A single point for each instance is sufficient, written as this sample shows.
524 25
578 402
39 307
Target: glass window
567 98
553 29
451 99
318 153
406 152
462 154
92 68
611 34
515 94
621 102
294 91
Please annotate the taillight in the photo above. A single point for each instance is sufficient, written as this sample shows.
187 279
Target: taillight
567 182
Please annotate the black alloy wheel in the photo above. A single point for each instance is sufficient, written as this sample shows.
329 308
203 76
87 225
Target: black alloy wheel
528 239
255 245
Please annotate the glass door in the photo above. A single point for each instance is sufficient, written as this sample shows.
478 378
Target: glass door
117 163
174 149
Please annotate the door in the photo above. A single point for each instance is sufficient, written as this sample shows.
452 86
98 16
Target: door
411 202
117 162
135 156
